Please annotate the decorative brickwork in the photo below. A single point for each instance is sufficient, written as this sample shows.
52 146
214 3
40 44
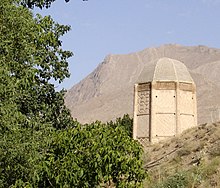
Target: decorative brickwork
143 102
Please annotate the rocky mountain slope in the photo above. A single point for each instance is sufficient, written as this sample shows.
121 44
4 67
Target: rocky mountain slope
107 92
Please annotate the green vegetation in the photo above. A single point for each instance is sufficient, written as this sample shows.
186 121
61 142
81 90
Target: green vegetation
82 156
40 144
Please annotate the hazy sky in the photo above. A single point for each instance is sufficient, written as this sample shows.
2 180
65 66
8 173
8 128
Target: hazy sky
102 27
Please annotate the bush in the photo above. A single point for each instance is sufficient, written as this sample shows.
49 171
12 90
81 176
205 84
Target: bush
178 180
79 156
93 155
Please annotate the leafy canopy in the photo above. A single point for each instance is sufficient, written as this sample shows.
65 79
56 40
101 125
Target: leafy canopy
40 144
93 155
30 57
38 3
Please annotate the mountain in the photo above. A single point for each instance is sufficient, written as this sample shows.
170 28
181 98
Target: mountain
107 93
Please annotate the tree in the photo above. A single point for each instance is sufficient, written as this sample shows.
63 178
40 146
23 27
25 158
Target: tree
125 122
90 156
30 107
40 144
31 57
39 3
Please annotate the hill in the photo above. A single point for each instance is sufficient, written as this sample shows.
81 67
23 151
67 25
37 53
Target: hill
107 92
189 160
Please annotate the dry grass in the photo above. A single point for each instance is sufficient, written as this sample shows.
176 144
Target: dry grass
195 153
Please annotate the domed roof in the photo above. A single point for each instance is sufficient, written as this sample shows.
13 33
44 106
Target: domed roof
165 69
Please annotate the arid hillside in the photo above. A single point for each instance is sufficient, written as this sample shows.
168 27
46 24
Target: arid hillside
191 160
107 93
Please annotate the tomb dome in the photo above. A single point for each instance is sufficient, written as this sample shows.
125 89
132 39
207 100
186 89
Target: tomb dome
164 101
165 69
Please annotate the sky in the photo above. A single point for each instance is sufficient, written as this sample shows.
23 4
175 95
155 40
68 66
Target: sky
103 27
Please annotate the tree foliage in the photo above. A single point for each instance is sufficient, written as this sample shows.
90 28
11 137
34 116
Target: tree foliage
30 57
92 155
37 3
125 122
40 144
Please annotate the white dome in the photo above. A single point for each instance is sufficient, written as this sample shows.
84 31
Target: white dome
165 69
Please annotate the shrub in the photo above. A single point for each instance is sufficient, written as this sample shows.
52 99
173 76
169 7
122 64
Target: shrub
178 180
97 154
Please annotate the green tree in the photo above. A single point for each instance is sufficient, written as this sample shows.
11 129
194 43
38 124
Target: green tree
31 57
125 122
30 107
93 155
39 3
40 144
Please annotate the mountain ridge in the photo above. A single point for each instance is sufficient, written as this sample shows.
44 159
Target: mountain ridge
107 92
